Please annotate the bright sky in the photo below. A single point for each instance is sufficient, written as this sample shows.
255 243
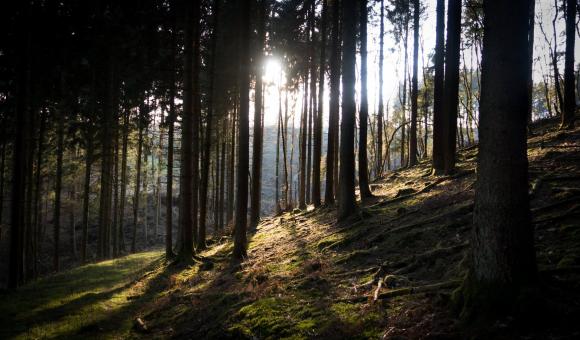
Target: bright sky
394 58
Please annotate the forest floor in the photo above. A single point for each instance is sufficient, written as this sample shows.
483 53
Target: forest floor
388 272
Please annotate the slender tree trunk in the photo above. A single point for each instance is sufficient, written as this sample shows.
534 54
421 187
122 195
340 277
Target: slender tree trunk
503 263
363 168
303 147
346 198
334 104
414 86
2 166
232 163
222 182
277 173
115 225
240 240
287 185
188 125
379 153
87 191
317 154
207 157
405 82
123 198
451 91
568 112
170 142
38 191
438 84
58 189
196 120
137 194
256 192
531 25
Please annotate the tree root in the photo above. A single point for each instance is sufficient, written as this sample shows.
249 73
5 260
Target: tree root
405 291
414 262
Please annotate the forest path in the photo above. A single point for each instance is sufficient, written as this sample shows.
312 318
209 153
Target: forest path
388 272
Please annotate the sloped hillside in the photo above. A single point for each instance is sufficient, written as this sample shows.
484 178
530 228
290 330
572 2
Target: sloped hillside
388 272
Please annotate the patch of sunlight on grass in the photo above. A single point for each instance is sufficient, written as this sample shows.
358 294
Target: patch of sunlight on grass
66 303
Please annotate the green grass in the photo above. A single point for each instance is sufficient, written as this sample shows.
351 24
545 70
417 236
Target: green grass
80 303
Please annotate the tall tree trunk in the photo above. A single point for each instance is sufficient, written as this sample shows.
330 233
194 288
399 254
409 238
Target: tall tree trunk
438 85
303 146
38 190
379 153
196 120
531 25
115 225
346 196
569 92
58 189
277 173
87 191
503 263
19 150
170 142
414 85
123 198
222 185
240 239
186 216
210 113
334 104
256 191
287 184
232 163
451 91
363 168
317 154
405 82
137 193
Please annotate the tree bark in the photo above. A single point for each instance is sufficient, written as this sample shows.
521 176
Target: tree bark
451 90
317 153
379 153
334 104
438 85
568 113
256 192
414 86
363 168
503 262
346 198
58 190
240 240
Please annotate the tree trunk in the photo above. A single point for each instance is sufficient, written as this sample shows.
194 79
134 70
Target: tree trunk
438 85
303 147
207 157
58 189
87 191
503 262
196 120
569 92
38 191
317 153
137 193
256 192
531 25
405 79
334 104
232 163
379 153
363 168
240 240
123 181
346 198
451 91
170 141
414 86
187 127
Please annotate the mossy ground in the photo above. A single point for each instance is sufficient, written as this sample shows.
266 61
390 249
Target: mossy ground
304 271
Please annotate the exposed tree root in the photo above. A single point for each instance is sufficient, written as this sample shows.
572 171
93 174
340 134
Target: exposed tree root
414 262
406 291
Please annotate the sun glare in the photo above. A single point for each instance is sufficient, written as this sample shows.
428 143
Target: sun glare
272 71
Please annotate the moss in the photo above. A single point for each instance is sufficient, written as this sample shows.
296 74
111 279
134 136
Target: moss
273 318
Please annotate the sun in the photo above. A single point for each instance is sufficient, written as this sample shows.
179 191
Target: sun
272 71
